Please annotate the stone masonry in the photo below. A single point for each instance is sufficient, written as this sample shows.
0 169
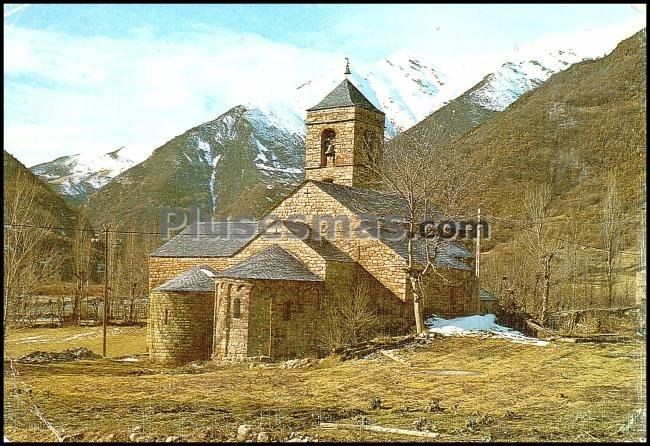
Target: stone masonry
180 326
350 125
249 314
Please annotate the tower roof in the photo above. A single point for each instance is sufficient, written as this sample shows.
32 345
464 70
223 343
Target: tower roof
345 95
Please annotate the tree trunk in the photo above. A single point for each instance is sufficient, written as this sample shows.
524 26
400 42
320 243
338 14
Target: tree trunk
547 286
413 275
418 308
610 278
76 299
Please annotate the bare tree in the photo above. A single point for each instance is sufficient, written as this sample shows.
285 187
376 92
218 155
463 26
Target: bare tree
434 182
349 317
82 259
131 275
30 257
612 228
541 242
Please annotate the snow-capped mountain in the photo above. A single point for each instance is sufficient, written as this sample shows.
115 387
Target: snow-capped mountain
75 177
408 88
237 164
512 79
405 88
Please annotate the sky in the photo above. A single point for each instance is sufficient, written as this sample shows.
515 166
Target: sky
92 78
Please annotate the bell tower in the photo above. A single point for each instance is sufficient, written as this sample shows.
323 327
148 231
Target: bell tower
345 138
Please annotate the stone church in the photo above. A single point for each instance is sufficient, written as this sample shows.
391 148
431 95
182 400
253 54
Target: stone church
266 294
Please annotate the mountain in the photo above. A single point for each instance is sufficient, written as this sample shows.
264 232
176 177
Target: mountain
501 88
238 164
29 201
408 89
580 127
75 177
47 205
405 88
494 93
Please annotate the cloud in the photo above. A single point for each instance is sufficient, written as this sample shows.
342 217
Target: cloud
68 94
94 94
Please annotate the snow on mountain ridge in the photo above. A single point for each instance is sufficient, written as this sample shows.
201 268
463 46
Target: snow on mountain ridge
407 87
512 79
73 175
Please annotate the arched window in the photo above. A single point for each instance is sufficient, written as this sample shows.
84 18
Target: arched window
327 147
236 308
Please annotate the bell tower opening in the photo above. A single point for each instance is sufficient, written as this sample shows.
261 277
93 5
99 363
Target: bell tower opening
345 138
328 148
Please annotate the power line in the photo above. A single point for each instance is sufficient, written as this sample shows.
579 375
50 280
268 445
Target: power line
638 220
20 225
561 239
214 233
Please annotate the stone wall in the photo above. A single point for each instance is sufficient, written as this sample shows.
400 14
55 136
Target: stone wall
350 125
393 315
284 319
179 327
295 312
456 295
377 258
232 313
292 308
290 243
161 269
385 265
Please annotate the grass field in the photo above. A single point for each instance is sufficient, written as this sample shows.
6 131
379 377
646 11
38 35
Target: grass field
488 389
120 341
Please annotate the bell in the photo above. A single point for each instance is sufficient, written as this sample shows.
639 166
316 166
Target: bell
330 150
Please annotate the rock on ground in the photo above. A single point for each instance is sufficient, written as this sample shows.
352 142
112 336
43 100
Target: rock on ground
244 432
73 354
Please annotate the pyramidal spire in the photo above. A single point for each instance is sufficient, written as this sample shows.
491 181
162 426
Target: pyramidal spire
347 66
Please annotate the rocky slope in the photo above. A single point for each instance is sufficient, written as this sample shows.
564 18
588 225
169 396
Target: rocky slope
213 168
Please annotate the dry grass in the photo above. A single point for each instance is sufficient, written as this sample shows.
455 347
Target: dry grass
120 340
517 392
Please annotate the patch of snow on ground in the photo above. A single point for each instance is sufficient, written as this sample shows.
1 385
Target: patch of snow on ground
129 359
79 336
478 326
34 340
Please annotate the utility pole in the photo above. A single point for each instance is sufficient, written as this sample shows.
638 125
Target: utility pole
270 325
478 245
106 227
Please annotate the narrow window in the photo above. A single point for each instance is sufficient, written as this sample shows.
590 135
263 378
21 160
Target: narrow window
236 308
166 316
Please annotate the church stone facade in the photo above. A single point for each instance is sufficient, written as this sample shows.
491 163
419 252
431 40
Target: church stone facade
234 291
347 124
